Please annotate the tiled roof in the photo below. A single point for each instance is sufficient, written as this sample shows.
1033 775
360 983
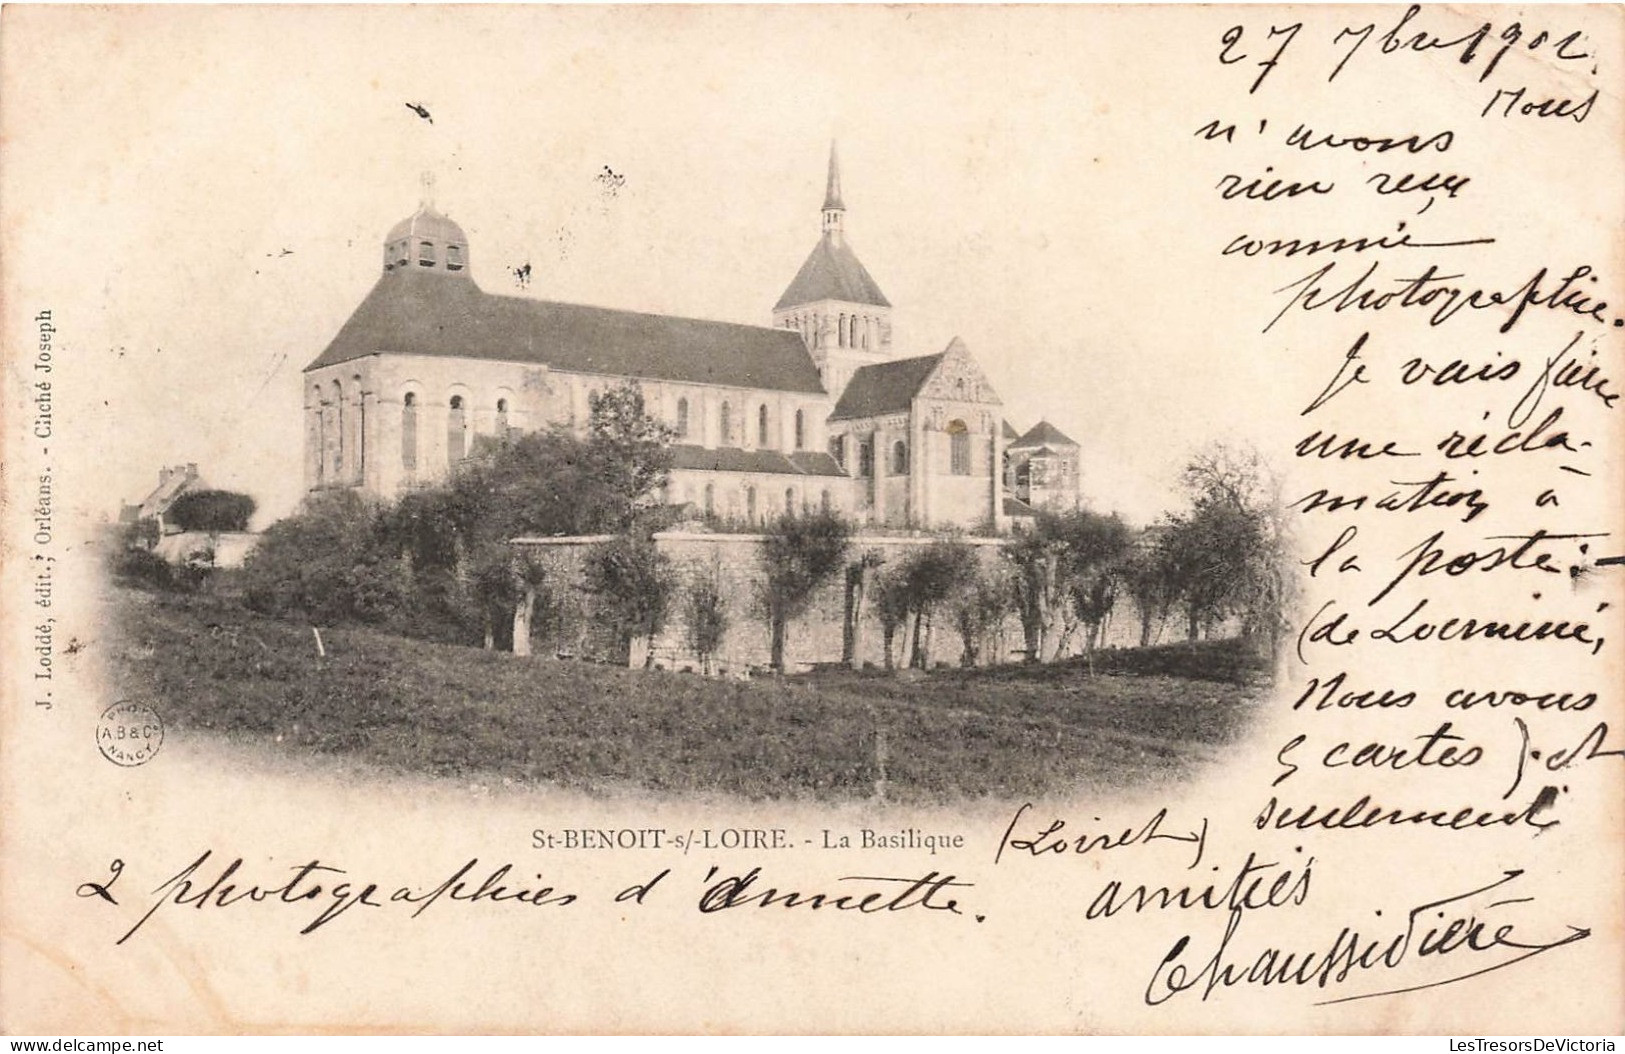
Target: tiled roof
1043 434
832 272
883 388
733 459
448 315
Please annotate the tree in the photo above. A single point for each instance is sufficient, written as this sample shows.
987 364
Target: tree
211 511
706 611
551 483
1093 548
1229 554
1211 552
931 575
857 579
1150 582
891 600
800 552
527 576
979 609
631 450
1093 598
633 583
1063 566
1036 559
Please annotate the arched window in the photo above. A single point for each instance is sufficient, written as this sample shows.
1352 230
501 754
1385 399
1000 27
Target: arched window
502 419
710 499
789 501
761 426
823 500
866 457
837 450
801 430
425 254
750 504
725 424
338 431
868 324
456 431
360 431
409 432
840 331
899 458
454 257
958 448
320 438
682 418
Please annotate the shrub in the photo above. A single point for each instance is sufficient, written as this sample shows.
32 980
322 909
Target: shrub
327 563
212 511
143 569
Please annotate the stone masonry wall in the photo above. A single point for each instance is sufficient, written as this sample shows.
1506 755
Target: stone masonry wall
570 627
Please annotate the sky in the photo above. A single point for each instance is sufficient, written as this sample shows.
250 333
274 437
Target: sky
208 190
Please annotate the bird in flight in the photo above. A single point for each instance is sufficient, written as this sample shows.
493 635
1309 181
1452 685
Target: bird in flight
421 110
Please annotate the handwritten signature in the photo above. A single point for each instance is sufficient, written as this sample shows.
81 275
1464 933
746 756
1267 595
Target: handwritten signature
1432 931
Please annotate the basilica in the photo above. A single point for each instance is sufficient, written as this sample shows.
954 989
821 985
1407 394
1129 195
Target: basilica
817 410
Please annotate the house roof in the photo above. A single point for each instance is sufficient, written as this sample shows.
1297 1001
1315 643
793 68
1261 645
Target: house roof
172 483
1010 432
449 316
884 387
832 272
733 459
1043 434
1017 507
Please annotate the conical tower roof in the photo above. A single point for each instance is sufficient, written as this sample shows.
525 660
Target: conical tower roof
832 270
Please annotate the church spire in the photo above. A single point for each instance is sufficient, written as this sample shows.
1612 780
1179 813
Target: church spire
834 208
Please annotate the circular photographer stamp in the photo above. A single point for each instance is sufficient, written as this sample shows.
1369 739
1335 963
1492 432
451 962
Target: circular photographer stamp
129 734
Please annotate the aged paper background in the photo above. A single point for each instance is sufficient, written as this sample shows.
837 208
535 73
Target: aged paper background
1031 179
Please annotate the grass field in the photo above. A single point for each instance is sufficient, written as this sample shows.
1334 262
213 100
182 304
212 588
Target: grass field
410 706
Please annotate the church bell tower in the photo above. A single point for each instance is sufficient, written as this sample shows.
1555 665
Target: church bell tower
833 303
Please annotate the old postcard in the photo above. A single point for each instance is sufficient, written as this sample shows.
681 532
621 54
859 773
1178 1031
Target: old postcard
813 519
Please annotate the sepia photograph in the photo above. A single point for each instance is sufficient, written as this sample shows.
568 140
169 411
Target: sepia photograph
812 519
